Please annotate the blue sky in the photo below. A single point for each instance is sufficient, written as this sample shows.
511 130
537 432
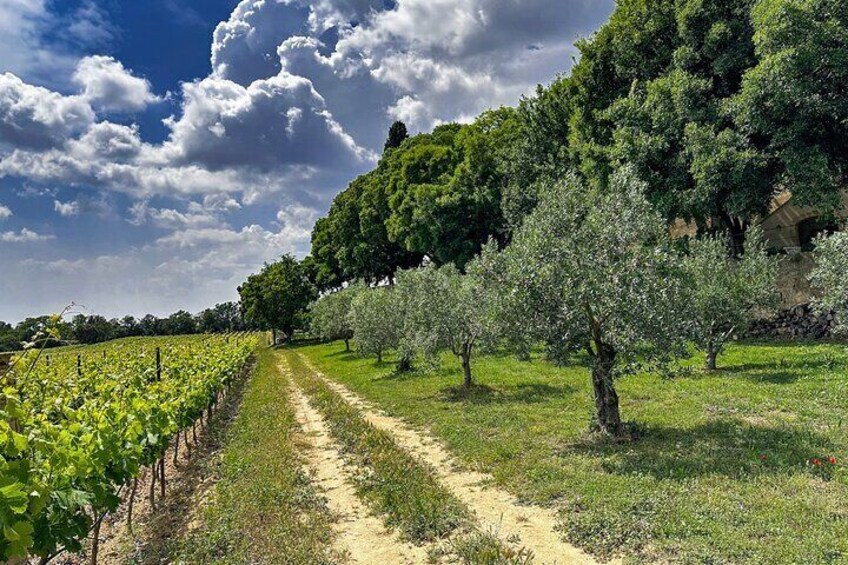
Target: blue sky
152 154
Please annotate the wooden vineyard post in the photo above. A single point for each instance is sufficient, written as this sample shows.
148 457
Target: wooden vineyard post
79 364
158 364
130 505
162 477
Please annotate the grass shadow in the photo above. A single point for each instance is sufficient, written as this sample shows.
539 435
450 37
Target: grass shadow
730 447
522 393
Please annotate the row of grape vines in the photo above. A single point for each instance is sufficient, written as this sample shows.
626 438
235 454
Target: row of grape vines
78 426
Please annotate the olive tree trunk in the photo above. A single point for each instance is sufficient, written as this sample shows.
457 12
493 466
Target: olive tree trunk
606 398
465 355
712 354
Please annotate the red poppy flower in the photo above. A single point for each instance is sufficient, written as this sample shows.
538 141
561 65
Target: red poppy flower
831 460
816 462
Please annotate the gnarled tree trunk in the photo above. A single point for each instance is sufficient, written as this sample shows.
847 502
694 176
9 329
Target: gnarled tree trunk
606 398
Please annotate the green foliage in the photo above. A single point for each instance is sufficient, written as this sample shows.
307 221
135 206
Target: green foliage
331 315
377 319
595 266
352 242
222 318
726 292
397 135
277 298
794 98
591 270
830 277
447 311
74 430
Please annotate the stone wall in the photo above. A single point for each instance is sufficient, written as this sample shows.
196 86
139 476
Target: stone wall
798 322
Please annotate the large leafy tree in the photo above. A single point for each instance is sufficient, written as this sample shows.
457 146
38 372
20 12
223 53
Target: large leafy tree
352 242
592 271
446 188
726 292
277 297
793 101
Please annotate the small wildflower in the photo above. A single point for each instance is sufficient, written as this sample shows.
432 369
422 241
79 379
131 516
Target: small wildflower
816 461
831 460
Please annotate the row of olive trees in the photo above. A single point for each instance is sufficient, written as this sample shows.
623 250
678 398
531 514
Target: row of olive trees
592 272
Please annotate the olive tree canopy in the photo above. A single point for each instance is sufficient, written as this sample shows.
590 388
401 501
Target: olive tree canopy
592 270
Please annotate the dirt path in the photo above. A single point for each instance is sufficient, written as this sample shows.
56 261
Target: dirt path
497 510
360 535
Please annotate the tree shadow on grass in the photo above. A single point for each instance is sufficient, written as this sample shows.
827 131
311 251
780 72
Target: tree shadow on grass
730 447
522 393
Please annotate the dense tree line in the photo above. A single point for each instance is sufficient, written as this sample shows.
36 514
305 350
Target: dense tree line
717 105
87 329
548 222
593 275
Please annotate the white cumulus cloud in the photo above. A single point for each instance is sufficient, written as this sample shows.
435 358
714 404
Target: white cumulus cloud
108 86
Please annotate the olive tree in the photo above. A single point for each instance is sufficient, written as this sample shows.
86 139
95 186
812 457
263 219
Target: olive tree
830 278
447 311
592 270
331 315
377 319
725 292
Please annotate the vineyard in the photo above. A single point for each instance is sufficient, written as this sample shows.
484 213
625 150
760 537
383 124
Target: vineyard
78 426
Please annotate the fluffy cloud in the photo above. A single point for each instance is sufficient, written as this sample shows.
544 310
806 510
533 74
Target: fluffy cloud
108 86
168 218
36 118
66 209
298 102
5 212
279 121
244 47
23 236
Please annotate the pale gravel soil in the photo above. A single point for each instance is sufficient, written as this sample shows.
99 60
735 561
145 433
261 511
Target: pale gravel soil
360 536
496 510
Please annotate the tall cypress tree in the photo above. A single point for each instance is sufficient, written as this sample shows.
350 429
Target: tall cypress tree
397 135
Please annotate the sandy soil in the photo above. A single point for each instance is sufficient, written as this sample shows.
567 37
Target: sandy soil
497 510
360 536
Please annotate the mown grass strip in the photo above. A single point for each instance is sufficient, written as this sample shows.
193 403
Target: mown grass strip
264 508
392 481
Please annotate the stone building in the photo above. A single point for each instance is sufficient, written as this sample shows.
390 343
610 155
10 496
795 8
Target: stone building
792 229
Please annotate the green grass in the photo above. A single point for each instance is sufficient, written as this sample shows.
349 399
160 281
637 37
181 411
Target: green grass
264 508
392 481
721 474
